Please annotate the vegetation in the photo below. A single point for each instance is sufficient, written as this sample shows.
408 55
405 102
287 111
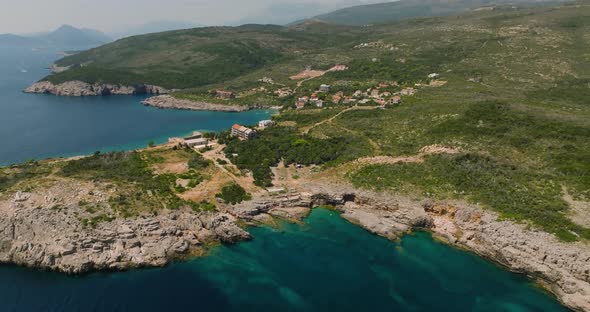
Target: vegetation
514 98
198 162
281 143
400 10
138 185
514 192
233 194
204 206
201 56
15 174
523 120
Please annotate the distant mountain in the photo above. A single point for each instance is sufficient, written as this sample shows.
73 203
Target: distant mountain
404 9
154 27
72 38
285 12
64 38
10 40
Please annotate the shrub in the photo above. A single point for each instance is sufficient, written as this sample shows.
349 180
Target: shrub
233 194
198 162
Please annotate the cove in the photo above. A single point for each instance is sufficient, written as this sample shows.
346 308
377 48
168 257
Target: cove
36 126
325 264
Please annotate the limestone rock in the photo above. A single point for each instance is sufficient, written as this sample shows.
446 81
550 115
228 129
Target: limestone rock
80 88
167 101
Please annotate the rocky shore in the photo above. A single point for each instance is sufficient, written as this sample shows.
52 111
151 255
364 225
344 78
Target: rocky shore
563 268
45 230
80 88
167 101
36 232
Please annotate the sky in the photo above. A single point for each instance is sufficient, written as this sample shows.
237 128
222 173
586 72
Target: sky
112 16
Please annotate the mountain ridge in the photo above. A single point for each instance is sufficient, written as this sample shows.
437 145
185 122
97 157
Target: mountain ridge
405 9
65 37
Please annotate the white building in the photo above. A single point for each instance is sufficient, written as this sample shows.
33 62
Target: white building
263 124
196 140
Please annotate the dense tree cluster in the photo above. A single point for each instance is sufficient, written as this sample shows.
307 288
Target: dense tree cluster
280 143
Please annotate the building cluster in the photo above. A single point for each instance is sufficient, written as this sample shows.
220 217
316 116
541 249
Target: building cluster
263 124
196 140
283 92
378 94
338 67
266 80
376 45
223 94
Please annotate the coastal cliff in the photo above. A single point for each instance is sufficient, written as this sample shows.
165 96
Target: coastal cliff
55 239
167 101
80 88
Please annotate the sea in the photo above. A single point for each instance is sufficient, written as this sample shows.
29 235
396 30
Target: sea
322 264
37 126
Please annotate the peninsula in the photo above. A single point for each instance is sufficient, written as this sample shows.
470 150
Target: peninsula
474 127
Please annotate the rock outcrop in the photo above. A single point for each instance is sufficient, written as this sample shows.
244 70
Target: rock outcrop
80 88
37 232
564 268
167 101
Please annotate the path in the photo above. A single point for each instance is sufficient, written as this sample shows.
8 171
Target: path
418 158
306 130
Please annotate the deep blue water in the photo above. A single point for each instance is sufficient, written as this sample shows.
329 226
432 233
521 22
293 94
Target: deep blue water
41 126
326 264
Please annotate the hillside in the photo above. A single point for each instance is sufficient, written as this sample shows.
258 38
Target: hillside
407 9
512 98
194 57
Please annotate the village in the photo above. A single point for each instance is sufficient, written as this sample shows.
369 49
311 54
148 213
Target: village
382 95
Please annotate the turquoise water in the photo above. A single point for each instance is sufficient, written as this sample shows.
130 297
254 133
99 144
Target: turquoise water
41 126
326 264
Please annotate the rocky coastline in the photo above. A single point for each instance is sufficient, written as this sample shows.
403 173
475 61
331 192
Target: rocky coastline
33 235
81 88
170 102
562 268
43 230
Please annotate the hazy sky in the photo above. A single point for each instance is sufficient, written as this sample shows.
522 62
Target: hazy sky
26 16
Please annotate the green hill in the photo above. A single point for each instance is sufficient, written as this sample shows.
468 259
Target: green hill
406 9
195 57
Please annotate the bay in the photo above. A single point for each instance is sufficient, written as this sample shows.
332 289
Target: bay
325 264
34 126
